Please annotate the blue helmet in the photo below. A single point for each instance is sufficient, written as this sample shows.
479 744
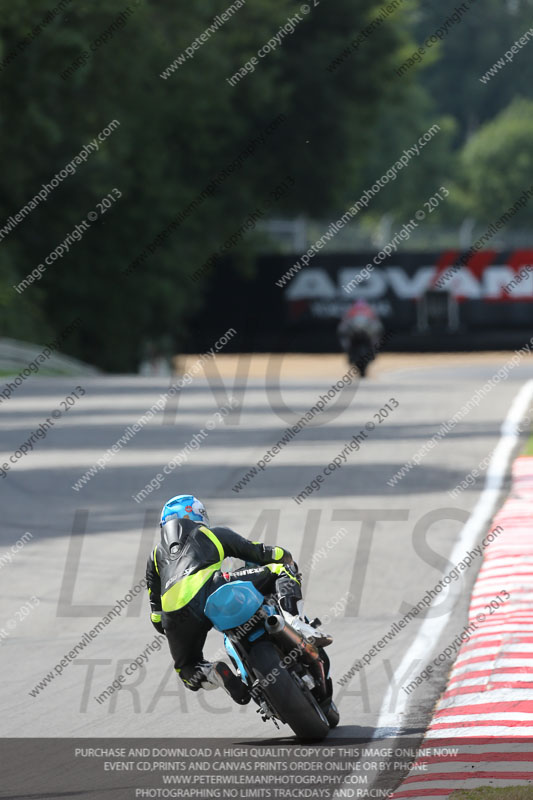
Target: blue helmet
185 505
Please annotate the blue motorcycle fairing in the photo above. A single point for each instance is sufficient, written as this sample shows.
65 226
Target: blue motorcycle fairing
230 649
232 604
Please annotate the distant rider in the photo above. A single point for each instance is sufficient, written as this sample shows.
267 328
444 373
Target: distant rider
184 569
360 332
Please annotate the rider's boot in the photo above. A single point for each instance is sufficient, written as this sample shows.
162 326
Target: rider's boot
220 674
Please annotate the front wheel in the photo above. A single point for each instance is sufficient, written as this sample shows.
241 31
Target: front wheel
294 705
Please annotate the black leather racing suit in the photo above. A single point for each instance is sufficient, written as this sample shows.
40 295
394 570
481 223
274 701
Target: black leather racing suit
184 569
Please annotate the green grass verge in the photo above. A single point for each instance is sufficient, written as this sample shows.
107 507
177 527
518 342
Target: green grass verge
489 793
529 447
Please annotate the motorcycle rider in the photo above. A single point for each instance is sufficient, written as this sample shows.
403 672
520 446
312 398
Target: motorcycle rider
360 331
184 569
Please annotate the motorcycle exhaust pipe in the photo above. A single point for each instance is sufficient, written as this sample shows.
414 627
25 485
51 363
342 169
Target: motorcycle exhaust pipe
290 639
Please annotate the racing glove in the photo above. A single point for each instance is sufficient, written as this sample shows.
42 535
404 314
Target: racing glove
155 619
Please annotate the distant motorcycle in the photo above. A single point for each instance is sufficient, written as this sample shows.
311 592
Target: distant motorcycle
361 351
288 677
360 332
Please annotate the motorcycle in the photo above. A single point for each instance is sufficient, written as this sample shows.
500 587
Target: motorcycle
360 332
361 351
287 675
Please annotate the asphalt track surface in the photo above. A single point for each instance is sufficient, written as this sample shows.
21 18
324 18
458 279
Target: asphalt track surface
88 547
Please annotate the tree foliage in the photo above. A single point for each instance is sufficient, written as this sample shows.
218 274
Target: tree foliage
483 32
497 163
174 137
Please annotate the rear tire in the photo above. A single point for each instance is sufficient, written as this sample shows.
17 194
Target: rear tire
361 354
295 706
362 367
332 715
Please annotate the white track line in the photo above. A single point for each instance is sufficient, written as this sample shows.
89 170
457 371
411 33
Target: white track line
488 695
432 628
